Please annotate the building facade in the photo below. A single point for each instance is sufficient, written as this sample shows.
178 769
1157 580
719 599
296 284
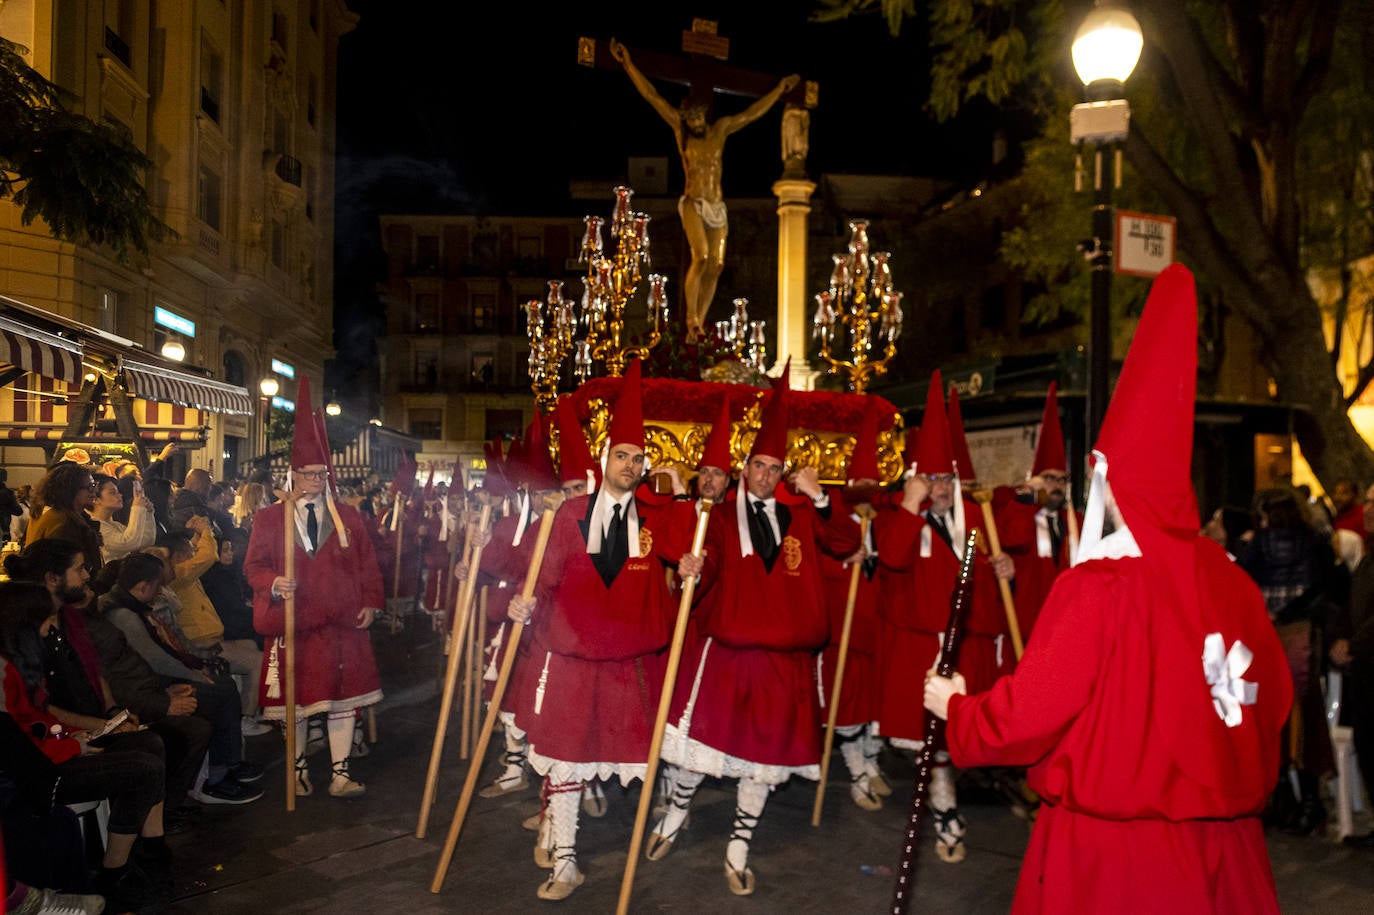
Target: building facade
233 102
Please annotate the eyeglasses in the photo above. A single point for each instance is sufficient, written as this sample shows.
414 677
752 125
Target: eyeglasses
941 477
1054 478
311 474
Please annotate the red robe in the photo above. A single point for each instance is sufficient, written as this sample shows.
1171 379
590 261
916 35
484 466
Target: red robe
747 699
915 591
1151 803
596 652
335 670
859 693
503 575
1016 525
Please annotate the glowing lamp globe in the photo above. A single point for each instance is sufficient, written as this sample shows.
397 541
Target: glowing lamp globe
1107 45
269 387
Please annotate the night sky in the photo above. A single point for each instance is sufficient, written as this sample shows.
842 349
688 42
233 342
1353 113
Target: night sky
481 108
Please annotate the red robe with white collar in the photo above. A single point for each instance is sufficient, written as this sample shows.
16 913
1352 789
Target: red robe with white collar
747 699
1035 574
1151 801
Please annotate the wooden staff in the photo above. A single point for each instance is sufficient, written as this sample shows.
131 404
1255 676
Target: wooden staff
399 530
1073 526
288 660
935 728
984 499
479 667
451 673
494 708
865 519
461 639
665 699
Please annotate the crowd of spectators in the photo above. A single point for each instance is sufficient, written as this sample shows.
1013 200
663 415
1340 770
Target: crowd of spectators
131 673
1308 555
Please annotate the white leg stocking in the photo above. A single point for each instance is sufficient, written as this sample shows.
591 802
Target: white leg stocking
749 806
562 814
683 784
944 808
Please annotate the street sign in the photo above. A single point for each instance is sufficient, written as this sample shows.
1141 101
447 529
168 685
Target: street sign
973 381
1144 243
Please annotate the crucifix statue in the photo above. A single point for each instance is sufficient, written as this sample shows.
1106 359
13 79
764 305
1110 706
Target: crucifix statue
700 143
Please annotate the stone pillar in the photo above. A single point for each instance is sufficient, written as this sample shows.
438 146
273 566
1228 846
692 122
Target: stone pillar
793 324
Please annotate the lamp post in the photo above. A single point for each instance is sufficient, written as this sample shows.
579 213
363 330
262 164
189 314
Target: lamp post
268 387
1105 51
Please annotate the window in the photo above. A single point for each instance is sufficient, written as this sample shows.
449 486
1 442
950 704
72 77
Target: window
209 191
427 422
310 193
483 369
211 80
119 28
235 368
315 16
529 247
425 369
109 310
427 253
281 133
312 92
278 244
506 424
483 312
993 314
279 30
427 313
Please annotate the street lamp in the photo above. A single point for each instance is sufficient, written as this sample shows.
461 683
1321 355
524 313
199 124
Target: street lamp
173 348
333 408
1105 51
268 387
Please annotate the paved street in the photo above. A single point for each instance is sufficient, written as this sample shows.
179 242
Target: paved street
339 856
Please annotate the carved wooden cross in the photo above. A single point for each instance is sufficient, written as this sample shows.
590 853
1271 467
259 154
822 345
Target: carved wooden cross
703 71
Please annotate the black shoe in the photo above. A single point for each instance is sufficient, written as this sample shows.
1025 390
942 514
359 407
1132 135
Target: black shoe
246 773
1365 841
227 791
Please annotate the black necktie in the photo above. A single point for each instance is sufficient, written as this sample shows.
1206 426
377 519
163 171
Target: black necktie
312 526
615 548
1056 538
938 522
765 544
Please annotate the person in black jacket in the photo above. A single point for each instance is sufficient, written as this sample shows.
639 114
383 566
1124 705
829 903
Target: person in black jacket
1352 648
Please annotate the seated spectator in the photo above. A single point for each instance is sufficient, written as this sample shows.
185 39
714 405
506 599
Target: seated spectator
149 676
46 660
118 540
199 621
67 491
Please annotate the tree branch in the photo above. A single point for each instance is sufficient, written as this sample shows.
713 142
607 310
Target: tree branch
1319 48
1199 235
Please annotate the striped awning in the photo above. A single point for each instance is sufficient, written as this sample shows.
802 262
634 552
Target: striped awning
153 382
36 434
38 351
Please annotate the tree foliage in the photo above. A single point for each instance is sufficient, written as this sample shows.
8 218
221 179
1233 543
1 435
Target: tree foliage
83 178
1252 123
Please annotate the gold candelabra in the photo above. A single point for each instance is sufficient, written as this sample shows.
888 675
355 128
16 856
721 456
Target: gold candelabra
862 301
745 337
613 277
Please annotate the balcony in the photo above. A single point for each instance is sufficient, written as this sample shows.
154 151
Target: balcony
288 169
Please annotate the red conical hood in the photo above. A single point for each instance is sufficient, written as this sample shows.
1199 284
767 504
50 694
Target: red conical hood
539 472
574 456
716 451
963 461
323 434
1049 449
863 463
772 437
932 451
627 416
404 482
1147 434
307 446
